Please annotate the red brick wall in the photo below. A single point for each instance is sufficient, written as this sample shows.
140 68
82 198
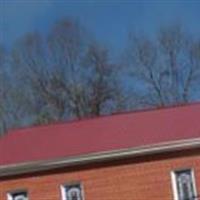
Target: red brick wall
145 178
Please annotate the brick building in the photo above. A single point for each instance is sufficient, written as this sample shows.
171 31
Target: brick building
148 155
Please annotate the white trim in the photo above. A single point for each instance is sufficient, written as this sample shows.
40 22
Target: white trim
174 182
9 196
28 167
63 195
174 185
194 182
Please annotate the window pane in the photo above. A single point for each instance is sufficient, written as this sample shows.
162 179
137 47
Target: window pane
185 185
19 196
73 192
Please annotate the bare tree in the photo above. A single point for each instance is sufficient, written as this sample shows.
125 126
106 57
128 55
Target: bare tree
102 85
166 67
83 69
29 62
172 40
5 92
142 57
65 75
191 74
67 45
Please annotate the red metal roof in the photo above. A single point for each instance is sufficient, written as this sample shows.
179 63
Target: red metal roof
126 130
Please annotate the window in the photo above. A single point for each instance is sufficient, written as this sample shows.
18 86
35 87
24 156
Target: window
20 195
184 185
72 192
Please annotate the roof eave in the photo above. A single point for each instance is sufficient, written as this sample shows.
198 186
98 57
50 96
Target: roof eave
30 167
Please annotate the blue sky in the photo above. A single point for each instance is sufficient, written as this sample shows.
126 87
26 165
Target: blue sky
109 20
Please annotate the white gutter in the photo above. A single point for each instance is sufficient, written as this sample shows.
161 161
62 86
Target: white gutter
29 167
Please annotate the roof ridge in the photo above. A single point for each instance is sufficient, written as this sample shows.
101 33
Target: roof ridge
137 111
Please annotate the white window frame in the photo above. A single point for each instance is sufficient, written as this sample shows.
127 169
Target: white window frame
174 182
63 189
11 193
